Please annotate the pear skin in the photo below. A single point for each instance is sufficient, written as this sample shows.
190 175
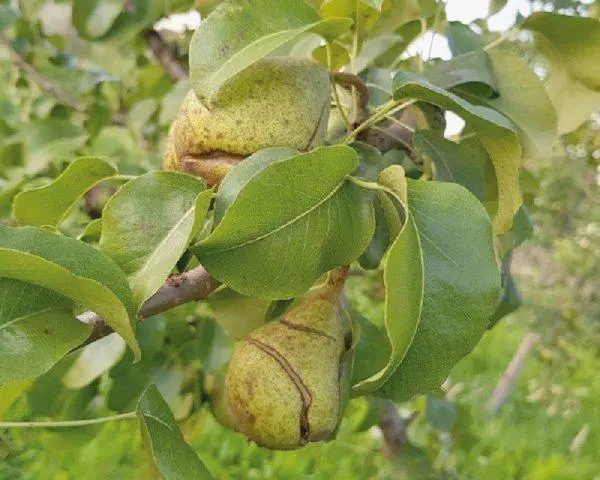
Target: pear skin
276 102
284 381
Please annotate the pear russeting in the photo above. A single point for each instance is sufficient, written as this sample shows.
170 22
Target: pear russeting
288 381
276 102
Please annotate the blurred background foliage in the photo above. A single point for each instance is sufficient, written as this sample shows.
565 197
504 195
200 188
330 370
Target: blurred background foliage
107 80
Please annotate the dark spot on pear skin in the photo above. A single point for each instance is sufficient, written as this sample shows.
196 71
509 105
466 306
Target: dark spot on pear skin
348 341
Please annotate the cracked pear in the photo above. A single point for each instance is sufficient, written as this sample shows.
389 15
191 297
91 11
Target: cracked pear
276 102
287 382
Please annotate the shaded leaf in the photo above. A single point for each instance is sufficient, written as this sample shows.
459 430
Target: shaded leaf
172 456
238 314
93 360
92 19
495 132
149 223
461 285
441 413
37 328
403 279
371 352
49 205
9 393
575 39
461 39
48 140
7 16
364 12
573 100
400 12
510 299
453 162
92 231
473 67
71 268
523 99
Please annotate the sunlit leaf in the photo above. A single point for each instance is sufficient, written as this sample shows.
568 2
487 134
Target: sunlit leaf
285 220
49 205
403 279
495 132
172 456
94 359
149 223
73 269
235 36
37 328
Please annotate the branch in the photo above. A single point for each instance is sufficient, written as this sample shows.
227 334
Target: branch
165 55
507 381
353 82
178 289
46 85
394 429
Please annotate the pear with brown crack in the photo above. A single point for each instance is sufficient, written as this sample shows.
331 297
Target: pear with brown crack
287 382
276 102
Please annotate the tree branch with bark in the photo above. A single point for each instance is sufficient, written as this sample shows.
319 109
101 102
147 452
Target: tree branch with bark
191 286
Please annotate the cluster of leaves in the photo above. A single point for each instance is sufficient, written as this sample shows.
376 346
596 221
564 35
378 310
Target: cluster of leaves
433 222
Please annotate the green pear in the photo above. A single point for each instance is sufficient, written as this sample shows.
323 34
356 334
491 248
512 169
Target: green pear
276 102
288 381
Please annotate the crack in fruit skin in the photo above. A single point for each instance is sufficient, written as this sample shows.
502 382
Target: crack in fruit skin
304 393
304 328
286 382
276 102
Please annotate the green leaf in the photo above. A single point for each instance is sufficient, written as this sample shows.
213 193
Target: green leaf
241 174
510 299
172 456
523 99
572 98
363 413
403 279
371 352
92 231
461 285
49 205
148 224
440 413
495 6
575 39
364 12
94 360
73 269
461 39
236 35
453 162
473 67
400 12
37 328
285 220
9 393
48 140
371 258
92 19
495 132
373 48
7 16
372 162
238 314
